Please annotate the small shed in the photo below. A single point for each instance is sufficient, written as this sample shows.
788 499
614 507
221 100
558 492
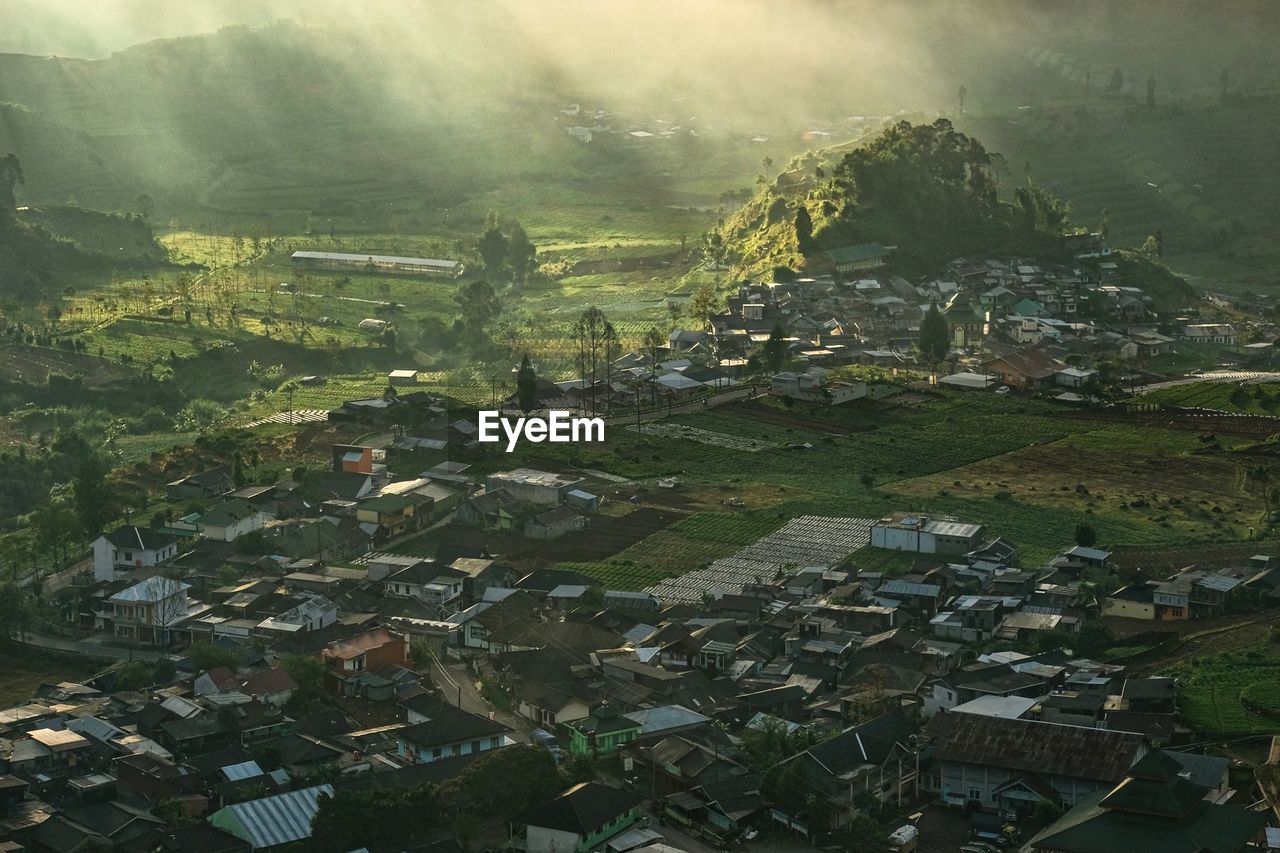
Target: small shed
582 500
403 377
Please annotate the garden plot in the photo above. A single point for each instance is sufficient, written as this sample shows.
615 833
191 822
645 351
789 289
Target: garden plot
805 541
703 436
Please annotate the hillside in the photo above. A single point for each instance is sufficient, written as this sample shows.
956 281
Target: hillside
43 250
926 189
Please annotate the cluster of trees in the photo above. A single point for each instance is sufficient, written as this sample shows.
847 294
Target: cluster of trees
505 249
502 783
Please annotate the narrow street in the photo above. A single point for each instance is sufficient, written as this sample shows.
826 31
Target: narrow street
458 687
90 648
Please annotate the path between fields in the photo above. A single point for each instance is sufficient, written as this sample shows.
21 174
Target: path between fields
686 408
1203 641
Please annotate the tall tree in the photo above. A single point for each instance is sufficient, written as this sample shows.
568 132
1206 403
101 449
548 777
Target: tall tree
804 230
774 352
521 254
593 336
935 336
10 177
1261 475
479 303
527 385
92 500
964 93
492 247
653 342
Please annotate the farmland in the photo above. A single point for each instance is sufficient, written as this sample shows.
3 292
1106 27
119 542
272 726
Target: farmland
1212 688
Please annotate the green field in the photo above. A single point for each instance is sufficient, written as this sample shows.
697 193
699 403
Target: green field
1212 689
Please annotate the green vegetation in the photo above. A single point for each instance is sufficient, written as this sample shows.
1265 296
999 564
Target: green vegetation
1216 689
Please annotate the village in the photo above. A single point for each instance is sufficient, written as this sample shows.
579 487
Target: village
283 643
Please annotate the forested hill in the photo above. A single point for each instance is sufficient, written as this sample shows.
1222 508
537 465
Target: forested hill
927 189
42 248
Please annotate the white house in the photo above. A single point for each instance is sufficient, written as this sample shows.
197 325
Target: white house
230 519
812 387
923 535
128 547
150 609
427 582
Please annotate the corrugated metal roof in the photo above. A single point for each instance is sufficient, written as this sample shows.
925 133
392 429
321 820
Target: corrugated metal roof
243 770
280 819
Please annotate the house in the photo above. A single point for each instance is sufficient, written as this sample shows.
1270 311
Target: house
863 256
1009 765
1135 601
1028 368
312 613
1220 334
719 808
531 486
583 818
206 484
1074 377
230 520
395 514
1158 806
555 523
438 730
149 611
921 534
55 752
603 731
875 759
812 387
427 582
346 659
493 510
128 547
273 821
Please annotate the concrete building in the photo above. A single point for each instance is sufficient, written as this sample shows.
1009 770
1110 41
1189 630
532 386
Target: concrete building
920 534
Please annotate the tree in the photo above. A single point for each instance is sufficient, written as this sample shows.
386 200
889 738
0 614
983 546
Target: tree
381 817
92 499
773 355
238 475
521 253
935 336
492 247
16 611
1261 475
653 342
309 674
594 338
1116 84
702 305
505 782
964 92
527 385
1086 535
479 304
207 656
10 177
804 230
55 525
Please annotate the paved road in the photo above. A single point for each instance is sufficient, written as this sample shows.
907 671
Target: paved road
90 648
459 688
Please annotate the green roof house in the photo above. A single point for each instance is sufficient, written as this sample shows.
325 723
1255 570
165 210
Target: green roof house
603 731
